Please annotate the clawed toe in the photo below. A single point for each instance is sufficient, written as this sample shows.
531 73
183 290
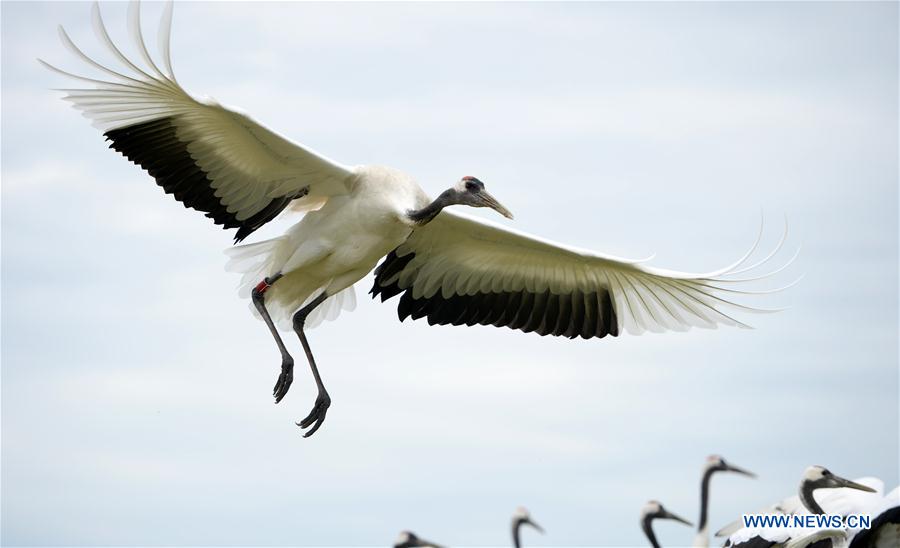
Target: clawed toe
317 416
283 384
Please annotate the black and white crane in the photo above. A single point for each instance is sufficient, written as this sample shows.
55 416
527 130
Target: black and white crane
655 510
447 267
713 464
841 496
522 517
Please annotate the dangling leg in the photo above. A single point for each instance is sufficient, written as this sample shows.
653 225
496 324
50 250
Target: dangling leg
317 416
287 362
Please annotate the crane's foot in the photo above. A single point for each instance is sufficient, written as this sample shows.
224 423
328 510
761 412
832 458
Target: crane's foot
317 416
284 379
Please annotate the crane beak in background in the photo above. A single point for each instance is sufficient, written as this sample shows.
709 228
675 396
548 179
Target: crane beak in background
841 482
732 468
670 515
489 201
529 521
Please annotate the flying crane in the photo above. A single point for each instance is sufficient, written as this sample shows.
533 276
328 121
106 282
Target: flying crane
447 267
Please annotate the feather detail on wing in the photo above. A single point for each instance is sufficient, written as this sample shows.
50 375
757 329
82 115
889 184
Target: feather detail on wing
463 270
211 158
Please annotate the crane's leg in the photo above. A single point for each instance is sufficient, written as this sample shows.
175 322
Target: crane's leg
287 362
317 416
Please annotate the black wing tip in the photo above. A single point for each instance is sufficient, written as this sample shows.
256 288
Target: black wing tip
155 147
391 265
587 315
474 310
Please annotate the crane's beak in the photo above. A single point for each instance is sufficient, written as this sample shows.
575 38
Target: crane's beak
529 521
841 482
732 468
670 515
489 201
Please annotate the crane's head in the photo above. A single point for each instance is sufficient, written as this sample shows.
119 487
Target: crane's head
819 477
522 517
716 463
470 191
655 510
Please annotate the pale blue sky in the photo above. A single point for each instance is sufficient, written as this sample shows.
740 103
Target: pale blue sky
136 385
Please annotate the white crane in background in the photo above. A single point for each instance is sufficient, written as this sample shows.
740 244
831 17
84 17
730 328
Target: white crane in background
450 268
522 517
714 464
655 510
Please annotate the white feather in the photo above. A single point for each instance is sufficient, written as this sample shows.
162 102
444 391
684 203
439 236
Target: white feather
247 163
456 254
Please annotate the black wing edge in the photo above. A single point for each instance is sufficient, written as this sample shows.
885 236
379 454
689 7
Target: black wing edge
154 145
588 315
866 537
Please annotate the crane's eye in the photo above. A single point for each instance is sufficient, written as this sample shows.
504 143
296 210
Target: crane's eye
471 186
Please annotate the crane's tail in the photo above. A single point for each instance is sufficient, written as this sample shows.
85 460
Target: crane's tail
258 260
332 307
253 262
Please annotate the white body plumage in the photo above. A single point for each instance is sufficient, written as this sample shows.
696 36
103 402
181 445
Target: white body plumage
333 247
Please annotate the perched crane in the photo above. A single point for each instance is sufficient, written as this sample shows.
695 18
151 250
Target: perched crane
654 510
714 464
522 517
450 268
843 498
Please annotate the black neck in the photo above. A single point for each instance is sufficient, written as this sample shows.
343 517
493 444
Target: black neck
704 498
646 525
426 214
806 497
517 524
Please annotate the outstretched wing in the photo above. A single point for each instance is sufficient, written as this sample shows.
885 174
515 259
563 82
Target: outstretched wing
463 270
212 159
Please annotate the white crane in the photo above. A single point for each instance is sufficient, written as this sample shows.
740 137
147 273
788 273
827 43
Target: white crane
843 497
522 517
655 510
450 268
714 463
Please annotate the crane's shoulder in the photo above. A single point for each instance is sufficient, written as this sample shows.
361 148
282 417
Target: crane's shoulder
388 186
